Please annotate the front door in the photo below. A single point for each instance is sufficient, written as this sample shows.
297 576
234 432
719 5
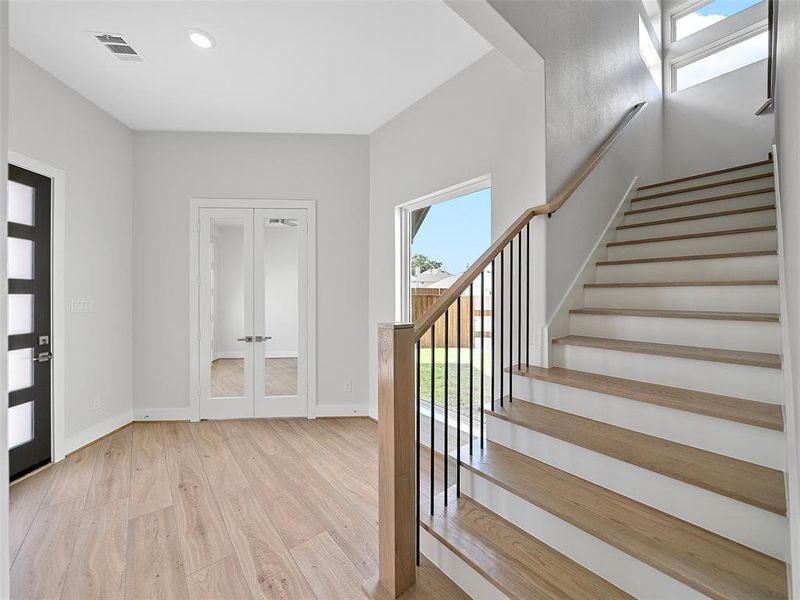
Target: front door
29 343
253 302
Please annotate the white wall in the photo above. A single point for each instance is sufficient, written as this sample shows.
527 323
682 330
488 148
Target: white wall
593 72
787 121
488 119
280 291
4 51
713 125
593 76
53 124
172 168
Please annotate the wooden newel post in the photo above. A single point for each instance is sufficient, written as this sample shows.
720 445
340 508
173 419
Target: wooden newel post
396 458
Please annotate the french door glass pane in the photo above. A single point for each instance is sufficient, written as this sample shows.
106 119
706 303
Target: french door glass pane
20 314
20 203
20 258
20 369
227 302
20 424
281 264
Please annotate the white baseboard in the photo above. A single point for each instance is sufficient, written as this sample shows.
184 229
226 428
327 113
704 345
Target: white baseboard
341 410
95 432
162 414
218 355
280 354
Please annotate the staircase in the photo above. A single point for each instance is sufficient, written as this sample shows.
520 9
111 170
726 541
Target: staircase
648 461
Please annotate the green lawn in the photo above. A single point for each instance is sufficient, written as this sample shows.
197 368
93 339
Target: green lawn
478 375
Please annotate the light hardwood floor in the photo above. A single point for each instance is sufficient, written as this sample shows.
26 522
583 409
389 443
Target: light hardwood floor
227 377
222 510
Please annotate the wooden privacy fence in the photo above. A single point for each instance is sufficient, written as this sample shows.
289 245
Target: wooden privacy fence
423 298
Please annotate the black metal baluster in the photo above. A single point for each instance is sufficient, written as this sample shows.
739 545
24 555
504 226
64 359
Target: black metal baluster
419 438
446 396
458 397
471 364
433 411
510 318
528 295
483 344
494 348
502 310
519 299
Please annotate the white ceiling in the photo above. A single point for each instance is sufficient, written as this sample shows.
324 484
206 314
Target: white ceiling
321 66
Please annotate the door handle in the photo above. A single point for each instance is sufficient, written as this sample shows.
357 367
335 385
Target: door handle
247 338
43 357
263 338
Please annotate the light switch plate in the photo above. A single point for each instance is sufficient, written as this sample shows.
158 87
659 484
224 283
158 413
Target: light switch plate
82 306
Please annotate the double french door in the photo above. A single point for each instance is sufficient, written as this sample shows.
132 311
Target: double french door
253 268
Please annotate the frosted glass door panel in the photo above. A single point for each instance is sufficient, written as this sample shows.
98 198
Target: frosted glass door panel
20 424
20 314
20 258
20 203
20 369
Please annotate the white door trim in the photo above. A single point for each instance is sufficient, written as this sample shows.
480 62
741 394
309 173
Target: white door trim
195 204
59 304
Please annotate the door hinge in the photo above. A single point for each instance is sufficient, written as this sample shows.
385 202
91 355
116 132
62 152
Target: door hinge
198 281
198 227
199 335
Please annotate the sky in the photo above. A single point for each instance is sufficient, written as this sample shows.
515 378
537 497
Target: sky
456 232
729 59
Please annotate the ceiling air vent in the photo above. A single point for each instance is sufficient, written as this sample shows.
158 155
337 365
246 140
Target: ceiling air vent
116 44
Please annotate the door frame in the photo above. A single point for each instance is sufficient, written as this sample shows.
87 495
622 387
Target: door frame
310 206
59 304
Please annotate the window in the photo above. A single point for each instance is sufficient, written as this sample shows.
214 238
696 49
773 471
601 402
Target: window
649 54
708 14
728 59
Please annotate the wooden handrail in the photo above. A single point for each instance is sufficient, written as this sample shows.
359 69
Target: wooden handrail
439 307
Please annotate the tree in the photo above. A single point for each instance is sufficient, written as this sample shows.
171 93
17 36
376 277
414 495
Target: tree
421 263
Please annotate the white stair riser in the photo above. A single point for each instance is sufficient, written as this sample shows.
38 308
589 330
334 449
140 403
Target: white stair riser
753 336
701 209
720 190
737 174
737 440
738 221
459 571
751 298
740 268
746 524
742 381
717 244
621 569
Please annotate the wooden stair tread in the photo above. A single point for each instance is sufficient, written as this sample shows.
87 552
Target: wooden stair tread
681 283
743 481
706 174
740 410
705 186
707 562
739 357
632 261
700 201
724 213
517 563
679 314
688 236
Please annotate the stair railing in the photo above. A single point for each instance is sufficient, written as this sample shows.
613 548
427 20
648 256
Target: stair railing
402 369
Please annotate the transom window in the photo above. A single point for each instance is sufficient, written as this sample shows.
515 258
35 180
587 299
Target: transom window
707 14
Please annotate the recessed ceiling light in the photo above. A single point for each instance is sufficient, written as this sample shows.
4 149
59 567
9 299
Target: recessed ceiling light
200 38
